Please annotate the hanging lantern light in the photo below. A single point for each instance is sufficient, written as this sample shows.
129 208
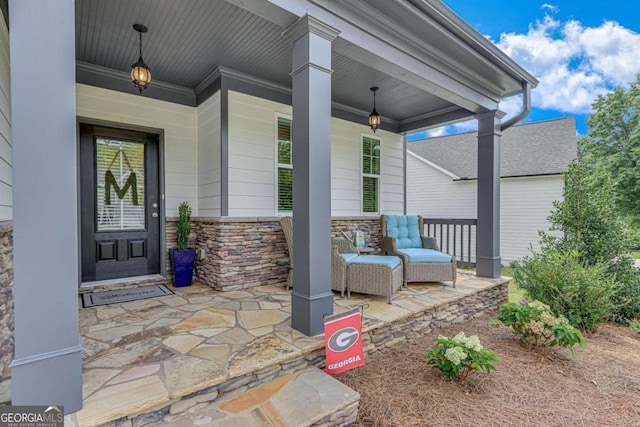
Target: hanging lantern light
374 117
140 72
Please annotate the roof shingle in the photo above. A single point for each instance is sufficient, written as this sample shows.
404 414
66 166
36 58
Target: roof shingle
535 148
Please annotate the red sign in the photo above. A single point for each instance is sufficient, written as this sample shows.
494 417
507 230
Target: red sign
343 342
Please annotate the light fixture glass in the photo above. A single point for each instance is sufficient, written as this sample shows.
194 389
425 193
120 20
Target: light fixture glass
140 72
374 117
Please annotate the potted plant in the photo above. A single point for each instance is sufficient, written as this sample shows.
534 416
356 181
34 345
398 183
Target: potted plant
182 257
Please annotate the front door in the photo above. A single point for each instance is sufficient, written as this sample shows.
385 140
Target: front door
120 203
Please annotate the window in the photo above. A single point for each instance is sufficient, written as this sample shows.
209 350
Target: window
370 174
285 166
120 185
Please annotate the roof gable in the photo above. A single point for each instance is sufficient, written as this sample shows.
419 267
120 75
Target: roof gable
537 148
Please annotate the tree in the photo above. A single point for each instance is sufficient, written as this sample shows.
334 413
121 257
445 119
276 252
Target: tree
590 223
593 229
611 148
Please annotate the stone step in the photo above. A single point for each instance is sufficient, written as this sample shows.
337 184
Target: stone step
309 397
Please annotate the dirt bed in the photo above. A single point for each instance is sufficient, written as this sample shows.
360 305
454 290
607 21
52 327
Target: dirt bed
551 387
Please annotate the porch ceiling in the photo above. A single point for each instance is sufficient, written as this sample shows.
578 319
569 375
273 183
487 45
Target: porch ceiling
188 39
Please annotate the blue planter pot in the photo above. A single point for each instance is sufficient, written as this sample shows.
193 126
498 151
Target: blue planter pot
182 261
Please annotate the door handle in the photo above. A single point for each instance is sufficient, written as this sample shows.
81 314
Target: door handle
154 215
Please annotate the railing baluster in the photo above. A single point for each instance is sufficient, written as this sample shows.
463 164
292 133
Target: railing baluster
448 237
455 254
469 244
431 230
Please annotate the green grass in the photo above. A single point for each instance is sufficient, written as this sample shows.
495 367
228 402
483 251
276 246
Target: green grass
514 292
635 254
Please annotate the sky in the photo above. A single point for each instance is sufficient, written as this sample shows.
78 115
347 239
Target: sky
577 49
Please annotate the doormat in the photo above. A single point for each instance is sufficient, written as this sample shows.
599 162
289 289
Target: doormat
124 295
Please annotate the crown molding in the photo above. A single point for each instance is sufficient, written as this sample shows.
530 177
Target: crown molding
96 75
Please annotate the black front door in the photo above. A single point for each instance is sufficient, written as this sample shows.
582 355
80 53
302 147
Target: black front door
120 203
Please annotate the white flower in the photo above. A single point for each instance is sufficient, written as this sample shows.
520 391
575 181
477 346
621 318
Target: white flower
473 342
455 355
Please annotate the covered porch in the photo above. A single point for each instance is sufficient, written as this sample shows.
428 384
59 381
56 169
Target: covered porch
212 60
172 358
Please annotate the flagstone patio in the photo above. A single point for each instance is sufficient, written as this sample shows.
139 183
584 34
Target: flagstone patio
159 358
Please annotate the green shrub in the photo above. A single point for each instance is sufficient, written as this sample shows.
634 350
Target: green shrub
537 326
458 356
184 225
626 300
594 228
635 325
583 294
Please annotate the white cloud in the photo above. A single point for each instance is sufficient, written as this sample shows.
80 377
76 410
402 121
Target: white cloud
574 63
466 126
550 7
442 130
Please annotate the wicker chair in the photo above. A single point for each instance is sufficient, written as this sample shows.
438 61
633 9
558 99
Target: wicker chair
339 264
287 228
439 267
365 274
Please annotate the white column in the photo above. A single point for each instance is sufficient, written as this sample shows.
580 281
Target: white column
488 232
311 77
47 367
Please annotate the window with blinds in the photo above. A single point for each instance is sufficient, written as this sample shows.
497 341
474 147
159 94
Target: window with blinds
370 175
120 185
285 166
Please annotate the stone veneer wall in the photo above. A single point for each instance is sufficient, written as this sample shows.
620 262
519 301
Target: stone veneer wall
248 252
374 339
241 252
348 223
6 299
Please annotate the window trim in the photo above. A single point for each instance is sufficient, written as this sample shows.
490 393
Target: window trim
278 165
369 175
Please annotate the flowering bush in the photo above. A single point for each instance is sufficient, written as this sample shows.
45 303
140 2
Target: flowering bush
458 356
537 326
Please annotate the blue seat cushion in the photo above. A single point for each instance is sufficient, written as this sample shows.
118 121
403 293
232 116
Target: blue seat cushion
389 261
348 257
405 229
425 255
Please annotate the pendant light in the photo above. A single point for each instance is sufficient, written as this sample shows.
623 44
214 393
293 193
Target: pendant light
374 117
140 72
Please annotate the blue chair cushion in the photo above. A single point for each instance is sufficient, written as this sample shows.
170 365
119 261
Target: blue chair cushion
348 257
406 230
389 261
424 255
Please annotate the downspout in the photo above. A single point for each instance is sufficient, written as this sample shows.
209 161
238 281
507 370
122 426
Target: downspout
526 107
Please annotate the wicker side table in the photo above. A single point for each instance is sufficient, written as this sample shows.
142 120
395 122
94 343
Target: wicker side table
374 278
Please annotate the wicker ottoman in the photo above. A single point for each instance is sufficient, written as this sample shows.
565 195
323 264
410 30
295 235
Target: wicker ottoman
374 275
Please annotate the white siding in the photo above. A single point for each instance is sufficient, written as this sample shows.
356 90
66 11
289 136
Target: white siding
251 133
433 194
525 204
208 122
252 163
178 123
6 181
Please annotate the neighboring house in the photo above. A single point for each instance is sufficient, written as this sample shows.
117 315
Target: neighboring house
249 102
442 179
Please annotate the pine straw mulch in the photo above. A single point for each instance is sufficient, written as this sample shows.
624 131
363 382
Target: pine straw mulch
548 387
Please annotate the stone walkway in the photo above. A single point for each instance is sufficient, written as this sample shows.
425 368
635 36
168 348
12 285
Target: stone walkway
145 355
309 397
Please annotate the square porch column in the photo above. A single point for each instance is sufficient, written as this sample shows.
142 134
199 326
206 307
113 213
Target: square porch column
47 364
488 229
312 297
